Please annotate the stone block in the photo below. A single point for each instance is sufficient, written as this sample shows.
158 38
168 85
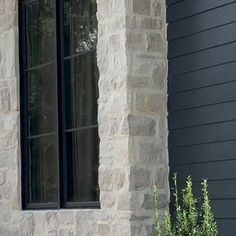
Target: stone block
150 152
107 199
10 5
66 232
27 224
140 178
138 82
52 221
141 126
155 42
159 76
154 103
151 24
141 7
136 41
2 7
103 229
157 7
115 43
4 100
105 178
2 178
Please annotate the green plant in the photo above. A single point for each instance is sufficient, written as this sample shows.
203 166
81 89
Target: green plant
208 226
188 219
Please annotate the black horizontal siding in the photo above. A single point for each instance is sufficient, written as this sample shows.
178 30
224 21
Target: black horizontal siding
171 2
219 170
208 152
207 39
202 78
202 100
191 7
203 134
226 226
203 21
203 115
203 59
218 189
202 97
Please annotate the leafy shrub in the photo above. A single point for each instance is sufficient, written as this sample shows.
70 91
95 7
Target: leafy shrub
188 219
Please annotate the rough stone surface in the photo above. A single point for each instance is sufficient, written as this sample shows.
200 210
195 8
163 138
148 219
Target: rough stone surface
132 125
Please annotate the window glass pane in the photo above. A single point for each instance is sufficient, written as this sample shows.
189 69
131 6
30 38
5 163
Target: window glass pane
81 91
43 169
42 101
40 32
82 165
81 94
80 26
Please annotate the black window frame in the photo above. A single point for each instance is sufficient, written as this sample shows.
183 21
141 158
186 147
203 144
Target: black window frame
62 183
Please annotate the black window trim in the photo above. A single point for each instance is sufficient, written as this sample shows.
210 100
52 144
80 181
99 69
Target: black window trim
62 186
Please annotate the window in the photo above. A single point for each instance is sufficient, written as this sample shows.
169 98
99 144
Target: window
59 92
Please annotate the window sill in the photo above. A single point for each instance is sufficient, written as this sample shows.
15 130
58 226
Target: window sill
66 206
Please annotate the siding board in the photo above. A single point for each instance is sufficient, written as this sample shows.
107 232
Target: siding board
203 59
202 41
220 189
191 7
207 77
202 153
203 115
202 97
210 170
203 134
203 21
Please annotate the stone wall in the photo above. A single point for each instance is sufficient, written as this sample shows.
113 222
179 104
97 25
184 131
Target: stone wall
132 125
147 91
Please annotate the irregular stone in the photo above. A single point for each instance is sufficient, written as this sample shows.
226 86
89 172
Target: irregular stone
155 42
4 100
27 224
141 126
150 152
2 178
159 75
120 179
135 41
138 82
152 24
150 103
141 7
140 178
104 229
65 232
107 200
105 179
147 202
52 221
115 42
2 7
157 8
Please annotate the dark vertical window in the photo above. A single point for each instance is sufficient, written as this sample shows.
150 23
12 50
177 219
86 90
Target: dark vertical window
59 92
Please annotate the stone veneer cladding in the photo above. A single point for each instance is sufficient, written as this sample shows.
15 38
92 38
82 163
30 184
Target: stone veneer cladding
132 125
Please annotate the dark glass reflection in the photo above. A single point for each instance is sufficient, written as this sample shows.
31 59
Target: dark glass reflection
82 165
80 26
43 169
42 101
81 94
41 107
81 91
40 32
